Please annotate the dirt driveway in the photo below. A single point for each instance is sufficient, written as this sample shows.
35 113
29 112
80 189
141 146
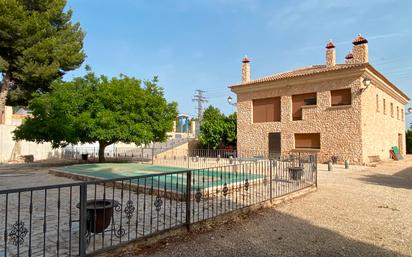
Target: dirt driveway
353 213
361 212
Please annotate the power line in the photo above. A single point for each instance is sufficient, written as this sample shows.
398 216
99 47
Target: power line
200 98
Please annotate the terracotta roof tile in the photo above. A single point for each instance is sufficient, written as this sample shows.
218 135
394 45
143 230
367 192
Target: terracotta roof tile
330 44
305 71
349 56
359 40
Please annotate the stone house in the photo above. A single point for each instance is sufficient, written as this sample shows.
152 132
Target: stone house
348 110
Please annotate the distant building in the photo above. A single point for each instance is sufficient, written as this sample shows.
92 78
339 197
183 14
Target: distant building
8 117
346 110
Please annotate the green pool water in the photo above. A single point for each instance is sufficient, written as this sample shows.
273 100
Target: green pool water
201 179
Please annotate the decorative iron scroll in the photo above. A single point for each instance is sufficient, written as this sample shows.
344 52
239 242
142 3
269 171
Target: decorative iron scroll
198 195
158 203
119 232
225 189
129 209
18 233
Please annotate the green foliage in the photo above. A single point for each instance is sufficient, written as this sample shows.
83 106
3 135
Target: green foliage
38 44
230 135
409 141
217 130
90 109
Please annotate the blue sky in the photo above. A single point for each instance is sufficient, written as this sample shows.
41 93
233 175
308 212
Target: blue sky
199 44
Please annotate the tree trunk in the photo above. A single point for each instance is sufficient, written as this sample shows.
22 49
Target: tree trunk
102 146
4 91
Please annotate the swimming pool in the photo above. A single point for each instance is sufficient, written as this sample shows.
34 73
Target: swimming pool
165 178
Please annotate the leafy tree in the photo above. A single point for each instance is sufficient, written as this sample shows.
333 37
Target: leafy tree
409 141
38 44
90 109
216 129
230 134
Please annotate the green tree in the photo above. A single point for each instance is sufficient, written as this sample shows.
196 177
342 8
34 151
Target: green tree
409 141
38 44
97 109
230 135
216 129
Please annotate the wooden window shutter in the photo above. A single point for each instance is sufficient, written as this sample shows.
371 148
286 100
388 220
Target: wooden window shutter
307 140
341 97
300 100
266 110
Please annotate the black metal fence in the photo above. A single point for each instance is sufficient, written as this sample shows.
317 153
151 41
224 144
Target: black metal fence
82 218
175 157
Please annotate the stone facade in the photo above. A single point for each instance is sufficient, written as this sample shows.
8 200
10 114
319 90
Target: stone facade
337 125
245 70
360 50
359 132
381 129
330 54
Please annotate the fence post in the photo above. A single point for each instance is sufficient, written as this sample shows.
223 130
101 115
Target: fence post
83 220
188 158
270 179
188 194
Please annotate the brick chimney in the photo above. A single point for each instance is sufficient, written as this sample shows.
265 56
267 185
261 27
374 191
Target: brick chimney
330 54
360 50
245 69
349 58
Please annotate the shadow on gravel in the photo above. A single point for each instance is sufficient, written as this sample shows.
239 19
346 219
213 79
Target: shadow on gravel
405 173
267 233
400 179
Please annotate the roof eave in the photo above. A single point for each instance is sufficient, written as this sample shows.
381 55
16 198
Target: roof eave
383 78
235 87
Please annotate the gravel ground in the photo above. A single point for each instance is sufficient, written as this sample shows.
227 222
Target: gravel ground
29 175
361 212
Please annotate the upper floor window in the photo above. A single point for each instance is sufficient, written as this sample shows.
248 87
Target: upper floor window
377 103
402 115
397 112
301 100
266 110
384 106
392 110
341 97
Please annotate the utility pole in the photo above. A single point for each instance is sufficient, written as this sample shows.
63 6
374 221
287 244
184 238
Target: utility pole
200 98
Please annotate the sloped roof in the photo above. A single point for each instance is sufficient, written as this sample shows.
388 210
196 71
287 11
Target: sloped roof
23 111
318 69
309 70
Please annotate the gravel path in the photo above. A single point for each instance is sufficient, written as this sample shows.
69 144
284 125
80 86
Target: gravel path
353 213
361 212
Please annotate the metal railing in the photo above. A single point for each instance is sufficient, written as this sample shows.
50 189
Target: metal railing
122 152
183 158
82 218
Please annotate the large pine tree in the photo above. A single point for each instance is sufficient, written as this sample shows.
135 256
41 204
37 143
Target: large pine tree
38 44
